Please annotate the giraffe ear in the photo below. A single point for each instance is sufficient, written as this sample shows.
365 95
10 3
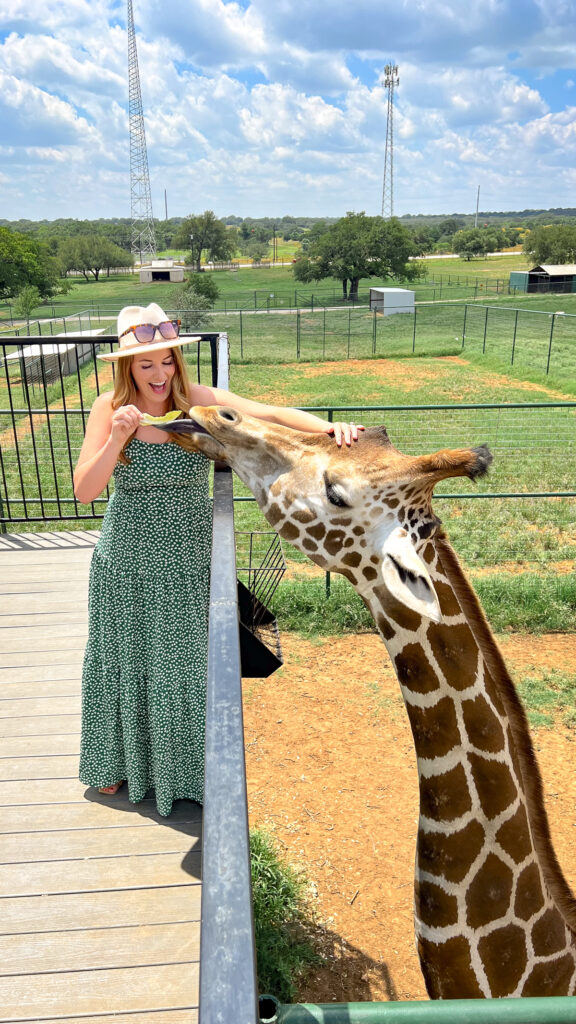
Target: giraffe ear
406 576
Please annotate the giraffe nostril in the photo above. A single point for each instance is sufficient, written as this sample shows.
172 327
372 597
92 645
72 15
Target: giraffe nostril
228 414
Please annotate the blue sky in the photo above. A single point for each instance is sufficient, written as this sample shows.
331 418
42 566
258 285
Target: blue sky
272 107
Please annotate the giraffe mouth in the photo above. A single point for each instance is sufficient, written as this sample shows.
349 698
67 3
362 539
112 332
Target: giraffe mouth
183 426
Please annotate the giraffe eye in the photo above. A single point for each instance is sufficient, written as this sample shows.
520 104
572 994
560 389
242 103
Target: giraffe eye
334 497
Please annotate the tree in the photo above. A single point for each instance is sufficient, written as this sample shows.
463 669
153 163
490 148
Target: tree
471 242
205 233
25 261
358 246
26 301
90 254
194 300
551 244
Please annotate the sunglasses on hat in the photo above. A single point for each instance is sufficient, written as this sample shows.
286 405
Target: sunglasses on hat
144 333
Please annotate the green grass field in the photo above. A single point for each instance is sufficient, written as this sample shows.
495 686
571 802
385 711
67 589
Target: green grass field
350 358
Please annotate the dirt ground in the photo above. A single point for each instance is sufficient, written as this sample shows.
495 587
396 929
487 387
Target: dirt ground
331 772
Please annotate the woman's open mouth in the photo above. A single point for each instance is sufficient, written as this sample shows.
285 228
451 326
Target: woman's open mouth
159 389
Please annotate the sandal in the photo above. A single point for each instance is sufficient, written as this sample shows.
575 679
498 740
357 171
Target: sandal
110 790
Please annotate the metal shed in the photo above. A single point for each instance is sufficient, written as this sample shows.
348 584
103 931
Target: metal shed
161 270
548 277
392 300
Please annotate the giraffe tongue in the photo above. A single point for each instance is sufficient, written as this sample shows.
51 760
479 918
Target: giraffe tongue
182 426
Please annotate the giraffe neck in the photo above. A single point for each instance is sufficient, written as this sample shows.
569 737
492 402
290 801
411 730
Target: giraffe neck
494 915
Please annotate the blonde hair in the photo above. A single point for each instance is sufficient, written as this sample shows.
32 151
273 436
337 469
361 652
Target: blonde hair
125 393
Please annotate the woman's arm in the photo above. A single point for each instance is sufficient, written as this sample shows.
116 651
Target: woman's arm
295 418
106 434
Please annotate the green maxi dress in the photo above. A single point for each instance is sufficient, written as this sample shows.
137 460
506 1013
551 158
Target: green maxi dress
144 679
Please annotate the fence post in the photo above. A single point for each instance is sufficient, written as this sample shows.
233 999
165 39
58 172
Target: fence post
324 335
514 338
374 332
485 328
464 324
241 338
349 315
550 345
414 332
297 334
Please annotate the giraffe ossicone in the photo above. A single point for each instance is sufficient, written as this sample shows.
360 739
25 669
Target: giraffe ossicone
494 915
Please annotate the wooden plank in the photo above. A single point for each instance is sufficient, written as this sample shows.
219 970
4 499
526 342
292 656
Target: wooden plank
51 645
44 618
151 1017
57 688
96 842
113 947
71 654
35 574
39 746
107 991
106 873
44 791
99 811
42 604
32 707
18 768
42 725
79 910
51 539
36 632
14 586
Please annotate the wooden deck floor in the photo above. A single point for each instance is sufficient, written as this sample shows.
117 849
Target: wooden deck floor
100 898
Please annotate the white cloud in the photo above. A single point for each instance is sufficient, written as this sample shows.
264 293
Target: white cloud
257 107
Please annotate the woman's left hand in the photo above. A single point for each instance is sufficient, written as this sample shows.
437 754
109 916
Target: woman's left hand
346 432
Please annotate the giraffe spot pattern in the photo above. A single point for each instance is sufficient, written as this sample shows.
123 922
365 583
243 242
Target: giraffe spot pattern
494 785
412 673
317 531
484 729
333 541
504 956
450 855
554 978
447 599
304 515
435 729
435 907
529 896
445 797
447 969
289 532
514 836
403 616
455 650
489 894
549 933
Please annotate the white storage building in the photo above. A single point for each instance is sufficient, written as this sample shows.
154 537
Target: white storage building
392 300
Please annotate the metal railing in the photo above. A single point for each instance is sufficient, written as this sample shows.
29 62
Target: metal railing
228 989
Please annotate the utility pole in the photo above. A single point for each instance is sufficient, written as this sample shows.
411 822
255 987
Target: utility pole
143 239
391 80
477 202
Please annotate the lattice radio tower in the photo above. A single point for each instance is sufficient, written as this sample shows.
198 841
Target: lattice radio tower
143 239
391 80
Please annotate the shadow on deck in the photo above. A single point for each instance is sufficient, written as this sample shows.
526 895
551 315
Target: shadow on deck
100 898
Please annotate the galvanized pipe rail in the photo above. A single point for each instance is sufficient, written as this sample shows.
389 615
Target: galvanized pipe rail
228 990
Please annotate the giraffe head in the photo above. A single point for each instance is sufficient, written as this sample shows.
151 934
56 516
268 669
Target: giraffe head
364 511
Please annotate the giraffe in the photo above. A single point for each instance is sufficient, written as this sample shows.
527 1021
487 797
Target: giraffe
494 916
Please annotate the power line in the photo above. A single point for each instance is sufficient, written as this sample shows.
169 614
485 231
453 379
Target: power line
391 80
143 238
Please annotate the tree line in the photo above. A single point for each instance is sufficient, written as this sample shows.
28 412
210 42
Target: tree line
40 255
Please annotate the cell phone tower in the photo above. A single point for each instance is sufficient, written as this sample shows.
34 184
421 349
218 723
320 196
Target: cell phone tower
391 80
143 238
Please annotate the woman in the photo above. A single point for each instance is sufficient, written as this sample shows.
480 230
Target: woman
143 694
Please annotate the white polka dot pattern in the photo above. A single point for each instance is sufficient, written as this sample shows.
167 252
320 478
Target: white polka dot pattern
144 680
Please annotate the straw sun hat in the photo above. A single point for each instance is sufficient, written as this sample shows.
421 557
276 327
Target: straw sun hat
133 316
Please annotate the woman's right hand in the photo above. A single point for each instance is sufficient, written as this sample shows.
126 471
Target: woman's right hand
125 421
